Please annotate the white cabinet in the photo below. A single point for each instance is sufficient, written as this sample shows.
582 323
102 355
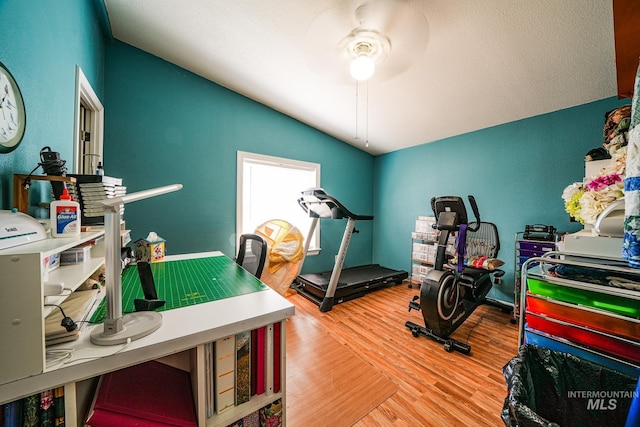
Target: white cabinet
180 341
25 270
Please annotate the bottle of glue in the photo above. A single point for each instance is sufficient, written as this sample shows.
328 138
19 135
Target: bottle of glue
65 216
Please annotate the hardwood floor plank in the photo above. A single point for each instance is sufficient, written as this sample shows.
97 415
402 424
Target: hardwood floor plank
434 388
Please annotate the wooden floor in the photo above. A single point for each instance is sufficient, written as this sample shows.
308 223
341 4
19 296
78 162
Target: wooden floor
435 388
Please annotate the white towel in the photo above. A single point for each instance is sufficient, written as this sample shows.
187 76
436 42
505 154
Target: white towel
631 242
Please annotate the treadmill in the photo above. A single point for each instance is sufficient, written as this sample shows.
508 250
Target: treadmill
339 285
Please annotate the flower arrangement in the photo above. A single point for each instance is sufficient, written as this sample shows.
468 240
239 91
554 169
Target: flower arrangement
585 201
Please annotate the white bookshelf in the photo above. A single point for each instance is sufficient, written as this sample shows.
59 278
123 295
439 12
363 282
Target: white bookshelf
184 332
22 310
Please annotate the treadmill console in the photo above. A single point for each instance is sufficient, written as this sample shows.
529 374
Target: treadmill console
318 204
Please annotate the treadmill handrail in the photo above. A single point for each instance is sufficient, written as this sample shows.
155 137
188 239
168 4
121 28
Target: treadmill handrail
318 204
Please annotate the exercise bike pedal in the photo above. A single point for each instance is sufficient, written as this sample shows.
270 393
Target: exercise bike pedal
414 304
451 345
414 328
415 331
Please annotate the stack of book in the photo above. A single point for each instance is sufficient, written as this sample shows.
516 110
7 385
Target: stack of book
41 409
241 366
89 189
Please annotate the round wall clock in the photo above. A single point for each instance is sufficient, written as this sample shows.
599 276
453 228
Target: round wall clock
12 113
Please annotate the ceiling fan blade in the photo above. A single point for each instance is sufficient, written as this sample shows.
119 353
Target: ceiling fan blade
389 16
321 44
405 28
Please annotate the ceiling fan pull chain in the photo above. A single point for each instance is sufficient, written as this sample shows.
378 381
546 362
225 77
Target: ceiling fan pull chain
366 124
357 112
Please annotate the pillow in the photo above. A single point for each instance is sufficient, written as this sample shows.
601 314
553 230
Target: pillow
481 262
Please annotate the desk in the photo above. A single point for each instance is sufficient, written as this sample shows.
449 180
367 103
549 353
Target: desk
183 329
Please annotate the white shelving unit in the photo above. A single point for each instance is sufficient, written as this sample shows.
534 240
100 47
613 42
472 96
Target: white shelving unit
24 272
179 341
424 242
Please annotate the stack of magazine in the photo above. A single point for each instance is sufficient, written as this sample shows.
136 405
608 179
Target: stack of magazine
90 189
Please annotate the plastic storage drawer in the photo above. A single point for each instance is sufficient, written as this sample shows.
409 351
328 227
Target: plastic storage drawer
600 321
613 303
607 344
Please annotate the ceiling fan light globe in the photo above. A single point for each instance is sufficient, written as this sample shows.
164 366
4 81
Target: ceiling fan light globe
362 67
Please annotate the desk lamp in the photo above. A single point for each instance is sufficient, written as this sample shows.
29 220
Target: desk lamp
119 329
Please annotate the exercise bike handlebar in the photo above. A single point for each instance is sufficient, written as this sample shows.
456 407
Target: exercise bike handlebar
476 213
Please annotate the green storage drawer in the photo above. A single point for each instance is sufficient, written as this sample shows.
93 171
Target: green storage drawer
612 303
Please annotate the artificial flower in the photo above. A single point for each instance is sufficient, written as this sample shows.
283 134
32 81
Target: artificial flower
584 202
571 196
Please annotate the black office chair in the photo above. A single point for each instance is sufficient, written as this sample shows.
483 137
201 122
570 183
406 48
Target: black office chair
252 253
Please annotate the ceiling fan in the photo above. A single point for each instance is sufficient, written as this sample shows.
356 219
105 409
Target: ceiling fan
385 36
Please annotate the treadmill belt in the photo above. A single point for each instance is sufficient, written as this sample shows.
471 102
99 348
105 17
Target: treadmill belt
354 276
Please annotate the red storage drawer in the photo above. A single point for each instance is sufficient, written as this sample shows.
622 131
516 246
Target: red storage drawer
604 322
606 344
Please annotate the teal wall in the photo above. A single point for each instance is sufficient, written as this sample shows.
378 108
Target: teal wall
41 49
165 125
516 172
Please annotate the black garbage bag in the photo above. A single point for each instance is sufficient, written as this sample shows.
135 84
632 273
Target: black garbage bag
549 388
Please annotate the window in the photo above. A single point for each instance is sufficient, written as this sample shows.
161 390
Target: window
89 127
269 188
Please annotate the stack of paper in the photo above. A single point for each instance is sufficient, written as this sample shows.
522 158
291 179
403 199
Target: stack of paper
89 189
77 306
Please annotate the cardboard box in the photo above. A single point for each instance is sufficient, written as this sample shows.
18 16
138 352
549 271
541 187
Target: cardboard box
149 251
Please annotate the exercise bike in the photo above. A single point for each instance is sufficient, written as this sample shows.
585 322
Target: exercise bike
450 293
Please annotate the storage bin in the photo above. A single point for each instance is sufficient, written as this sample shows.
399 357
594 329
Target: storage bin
75 255
538 247
613 303
599 321
608 344
549 388
539 339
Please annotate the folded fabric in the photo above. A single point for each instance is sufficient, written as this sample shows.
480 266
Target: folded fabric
631 242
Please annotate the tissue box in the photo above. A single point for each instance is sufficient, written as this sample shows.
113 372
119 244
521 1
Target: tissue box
149 251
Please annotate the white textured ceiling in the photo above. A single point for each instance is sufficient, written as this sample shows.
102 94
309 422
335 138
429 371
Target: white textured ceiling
485 63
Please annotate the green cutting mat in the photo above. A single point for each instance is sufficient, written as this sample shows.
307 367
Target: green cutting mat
186 282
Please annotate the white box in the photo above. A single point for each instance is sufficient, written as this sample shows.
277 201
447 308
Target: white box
584 242
595 167
75 255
